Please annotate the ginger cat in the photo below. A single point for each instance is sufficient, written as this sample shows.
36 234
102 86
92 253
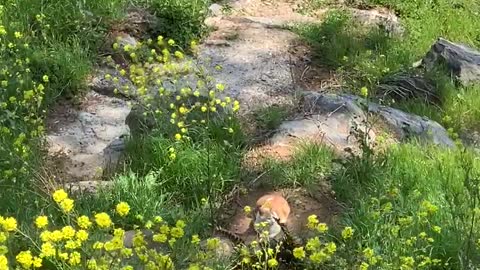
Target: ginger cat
273 209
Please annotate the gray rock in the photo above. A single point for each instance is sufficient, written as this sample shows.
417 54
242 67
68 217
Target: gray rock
101 85
331 119
113 155
147 236
86 186
225 249
407 125
215 9
126 39
85 138
257 64
461 60
386 20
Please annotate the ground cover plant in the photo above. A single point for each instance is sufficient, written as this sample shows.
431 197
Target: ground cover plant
411 206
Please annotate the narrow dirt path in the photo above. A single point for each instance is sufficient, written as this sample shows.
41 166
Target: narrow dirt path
263 62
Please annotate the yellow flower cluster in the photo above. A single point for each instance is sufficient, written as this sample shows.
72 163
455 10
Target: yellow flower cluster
65 203
21 97
72 246
159 77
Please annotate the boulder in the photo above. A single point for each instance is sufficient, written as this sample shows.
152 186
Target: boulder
384 19
331 119
87 139
461 60
327 118
408 125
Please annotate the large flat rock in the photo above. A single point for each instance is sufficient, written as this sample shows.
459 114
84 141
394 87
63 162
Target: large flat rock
87 139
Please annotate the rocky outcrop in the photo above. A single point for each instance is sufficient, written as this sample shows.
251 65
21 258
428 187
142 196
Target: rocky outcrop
461 60
327 118
331 119
89 138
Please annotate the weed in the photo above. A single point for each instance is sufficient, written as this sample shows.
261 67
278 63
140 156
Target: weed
270 118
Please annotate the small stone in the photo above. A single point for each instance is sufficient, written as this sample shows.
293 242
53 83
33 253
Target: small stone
225 249
215 9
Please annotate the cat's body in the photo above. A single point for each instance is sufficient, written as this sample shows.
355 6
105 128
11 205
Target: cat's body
273 209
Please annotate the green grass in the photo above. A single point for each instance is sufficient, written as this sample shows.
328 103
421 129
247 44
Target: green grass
364 56
200 170
182 20
270 118
309 166
380 192
62 41
413 174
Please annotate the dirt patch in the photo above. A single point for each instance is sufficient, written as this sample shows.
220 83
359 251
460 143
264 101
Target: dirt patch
302 204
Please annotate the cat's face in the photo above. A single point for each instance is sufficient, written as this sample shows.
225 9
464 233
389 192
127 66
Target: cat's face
270 220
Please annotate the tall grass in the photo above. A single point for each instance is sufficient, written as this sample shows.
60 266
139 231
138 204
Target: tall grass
404 178
364 55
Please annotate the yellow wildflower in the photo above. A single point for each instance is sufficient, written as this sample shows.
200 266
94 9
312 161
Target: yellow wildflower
67 205
3 237
37 262
220 87
364 266
159 219
75 258
179 55
247 209
347 233
176 232
160 238
84 222
92 264
272 263
24 258
182 110
178 137
312 221
180 224
3 260
437 229
122 209
9 224
164 229
59 195
318 257
213 243
331 248
195 239
82 235
68 232
299 253
364 91
103 220
322 227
